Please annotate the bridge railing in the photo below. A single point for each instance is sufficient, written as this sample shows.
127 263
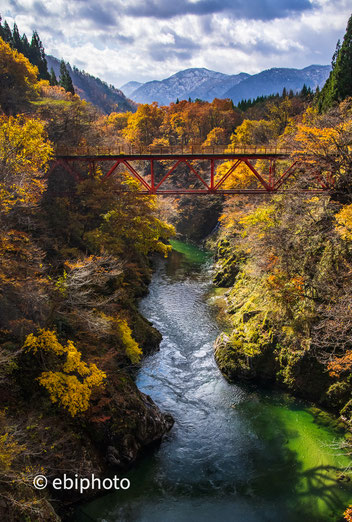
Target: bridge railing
190 150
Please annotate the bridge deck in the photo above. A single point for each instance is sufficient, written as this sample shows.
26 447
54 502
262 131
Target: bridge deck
170 153
159 157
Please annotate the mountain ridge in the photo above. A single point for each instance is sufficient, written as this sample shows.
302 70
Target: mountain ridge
206 84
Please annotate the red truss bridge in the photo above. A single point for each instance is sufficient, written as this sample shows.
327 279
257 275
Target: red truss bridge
270 170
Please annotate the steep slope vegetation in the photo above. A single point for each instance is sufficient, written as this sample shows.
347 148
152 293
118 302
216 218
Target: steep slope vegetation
93 90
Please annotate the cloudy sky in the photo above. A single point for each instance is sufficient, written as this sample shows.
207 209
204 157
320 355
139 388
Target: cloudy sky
122 40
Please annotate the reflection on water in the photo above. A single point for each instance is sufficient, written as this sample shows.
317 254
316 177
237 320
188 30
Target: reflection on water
235 453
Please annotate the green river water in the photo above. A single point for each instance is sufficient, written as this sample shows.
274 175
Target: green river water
236 452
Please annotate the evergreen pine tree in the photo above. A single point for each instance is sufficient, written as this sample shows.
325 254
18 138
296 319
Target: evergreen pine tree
304 91
37 56
336 53
53 79
7 34
65 78
25 45
339 84
16 39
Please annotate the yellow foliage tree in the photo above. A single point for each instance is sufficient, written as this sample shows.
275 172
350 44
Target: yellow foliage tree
72 387
316 140
216 136
253 133
18 79
344 220
259 221
144 125
24 154
132 349
118 120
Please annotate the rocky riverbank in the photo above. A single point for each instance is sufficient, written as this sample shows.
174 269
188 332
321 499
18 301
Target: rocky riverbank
262 343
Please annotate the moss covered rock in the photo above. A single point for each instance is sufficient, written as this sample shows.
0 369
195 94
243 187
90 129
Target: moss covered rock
237 360
228 264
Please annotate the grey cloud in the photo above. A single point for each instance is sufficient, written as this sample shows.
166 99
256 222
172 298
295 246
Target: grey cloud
180 42
259 46
40 9
162 54
181 48
100 15
56 33
103 39
248 9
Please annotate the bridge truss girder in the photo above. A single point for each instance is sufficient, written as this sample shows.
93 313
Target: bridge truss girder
269 183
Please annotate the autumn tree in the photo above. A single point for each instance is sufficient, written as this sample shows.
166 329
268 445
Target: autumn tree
24 154
144 125
217 136
71 383
254 133
327 140
18 78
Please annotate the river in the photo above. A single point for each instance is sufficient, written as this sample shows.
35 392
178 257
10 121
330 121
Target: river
236 453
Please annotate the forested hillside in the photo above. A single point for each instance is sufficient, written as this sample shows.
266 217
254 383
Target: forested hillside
106 97
73 261
93 90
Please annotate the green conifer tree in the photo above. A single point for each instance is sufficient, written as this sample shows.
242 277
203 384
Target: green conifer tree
37 56
339 84
304 91
65 79
16 39
6 33
25 45
53 80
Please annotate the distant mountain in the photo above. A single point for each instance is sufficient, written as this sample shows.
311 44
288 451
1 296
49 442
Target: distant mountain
94 90
194 83
216 88
129 87
207 85
274 80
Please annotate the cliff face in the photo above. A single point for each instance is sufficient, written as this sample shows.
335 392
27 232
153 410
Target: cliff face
120 423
